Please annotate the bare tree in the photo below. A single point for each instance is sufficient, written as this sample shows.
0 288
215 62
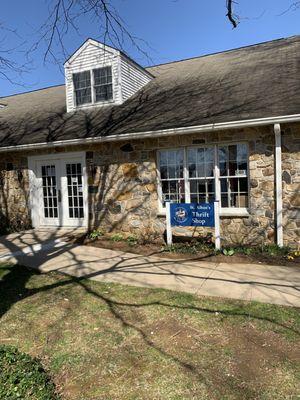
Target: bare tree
65 16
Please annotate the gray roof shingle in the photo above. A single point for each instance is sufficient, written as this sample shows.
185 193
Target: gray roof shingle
251 82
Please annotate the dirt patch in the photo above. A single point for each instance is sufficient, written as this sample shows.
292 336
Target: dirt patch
153 249
120 342
256 354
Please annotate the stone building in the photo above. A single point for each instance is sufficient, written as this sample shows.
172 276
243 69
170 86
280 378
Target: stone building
110 147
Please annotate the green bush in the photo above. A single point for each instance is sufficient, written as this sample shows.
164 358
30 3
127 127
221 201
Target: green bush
274 250
22 377
132 240
96 234
117 237
228 252
199 244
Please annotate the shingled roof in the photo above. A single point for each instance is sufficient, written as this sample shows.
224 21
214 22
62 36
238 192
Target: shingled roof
252 82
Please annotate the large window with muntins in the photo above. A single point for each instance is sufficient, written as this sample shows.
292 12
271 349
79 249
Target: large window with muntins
189 175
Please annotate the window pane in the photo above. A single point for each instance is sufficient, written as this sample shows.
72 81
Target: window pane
164 172
200 162
243 184
171 164
192 159
223 160
173 191
242 152
234 192
232 152
233 168
202 190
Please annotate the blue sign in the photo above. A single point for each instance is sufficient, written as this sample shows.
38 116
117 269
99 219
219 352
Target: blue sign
192 214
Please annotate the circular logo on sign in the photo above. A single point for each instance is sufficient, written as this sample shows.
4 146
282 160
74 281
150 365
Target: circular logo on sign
180 215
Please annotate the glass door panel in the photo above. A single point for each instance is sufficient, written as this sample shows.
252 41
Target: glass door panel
49 209
75 190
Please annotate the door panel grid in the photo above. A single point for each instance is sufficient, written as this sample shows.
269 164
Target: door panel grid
75 190
49 184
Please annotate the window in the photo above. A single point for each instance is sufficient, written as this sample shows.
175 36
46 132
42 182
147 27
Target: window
171 175
201 174
103 84
233 164
188 175
82 88
100 80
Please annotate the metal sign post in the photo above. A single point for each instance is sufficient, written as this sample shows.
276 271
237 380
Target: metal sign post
168 223
217 226
193 214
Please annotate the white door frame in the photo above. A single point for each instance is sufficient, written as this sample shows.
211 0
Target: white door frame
34 196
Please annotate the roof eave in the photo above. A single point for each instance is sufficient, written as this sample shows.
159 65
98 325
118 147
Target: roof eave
158 133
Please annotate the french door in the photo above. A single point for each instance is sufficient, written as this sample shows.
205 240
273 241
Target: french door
60 197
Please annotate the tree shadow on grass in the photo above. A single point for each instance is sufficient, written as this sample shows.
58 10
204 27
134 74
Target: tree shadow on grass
14 288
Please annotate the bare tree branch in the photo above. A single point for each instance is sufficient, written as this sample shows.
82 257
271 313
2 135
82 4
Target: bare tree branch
230 14
65 15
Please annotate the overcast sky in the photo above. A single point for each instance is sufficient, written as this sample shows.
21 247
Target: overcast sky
174 29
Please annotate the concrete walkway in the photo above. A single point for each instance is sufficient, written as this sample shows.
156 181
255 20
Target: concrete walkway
48 251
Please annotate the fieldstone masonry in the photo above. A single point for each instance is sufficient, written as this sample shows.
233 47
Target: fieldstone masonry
123 185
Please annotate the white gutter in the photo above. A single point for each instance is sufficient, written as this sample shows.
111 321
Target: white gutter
158 133
278 183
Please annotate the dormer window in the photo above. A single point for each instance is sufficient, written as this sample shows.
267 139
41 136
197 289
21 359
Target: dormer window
98 75
103 84
82 88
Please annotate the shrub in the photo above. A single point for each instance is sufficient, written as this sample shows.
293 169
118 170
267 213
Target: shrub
132 240
228 252
23 377
96 234
274 250
117 237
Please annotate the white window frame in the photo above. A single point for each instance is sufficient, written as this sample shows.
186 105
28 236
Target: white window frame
93 94
104 84
74 90
224 211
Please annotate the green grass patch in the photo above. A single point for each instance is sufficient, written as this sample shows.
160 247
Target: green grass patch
23 377
111 341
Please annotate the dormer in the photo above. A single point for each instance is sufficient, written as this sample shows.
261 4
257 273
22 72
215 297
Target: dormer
99 75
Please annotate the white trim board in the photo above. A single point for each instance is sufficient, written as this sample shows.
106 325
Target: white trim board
158 133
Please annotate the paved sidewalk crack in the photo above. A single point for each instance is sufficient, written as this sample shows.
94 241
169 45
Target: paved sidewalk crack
208 276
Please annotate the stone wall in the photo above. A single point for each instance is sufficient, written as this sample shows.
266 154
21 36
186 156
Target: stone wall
14 212
291 184
123 188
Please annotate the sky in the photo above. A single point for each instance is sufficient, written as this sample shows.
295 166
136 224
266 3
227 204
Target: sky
170 30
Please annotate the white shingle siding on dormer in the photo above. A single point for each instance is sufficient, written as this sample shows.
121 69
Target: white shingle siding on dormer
128 77
89 58
133 78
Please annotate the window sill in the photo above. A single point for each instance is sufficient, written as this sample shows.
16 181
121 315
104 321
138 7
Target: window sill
95 104
234 212
225 212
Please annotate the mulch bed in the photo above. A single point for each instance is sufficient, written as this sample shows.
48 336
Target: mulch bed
156 249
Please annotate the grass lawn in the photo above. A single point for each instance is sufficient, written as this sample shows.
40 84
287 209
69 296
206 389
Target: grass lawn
107 341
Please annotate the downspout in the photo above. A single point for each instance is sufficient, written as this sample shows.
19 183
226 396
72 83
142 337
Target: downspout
278 185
